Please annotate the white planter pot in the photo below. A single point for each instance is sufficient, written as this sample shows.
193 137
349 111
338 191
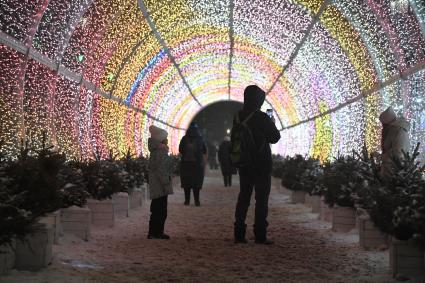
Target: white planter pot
35 251
370 237
344 219
121 204
54 220
298 196
7 257
406 259
307 200
276 182
102 212
315 204
326 213
76 220
136 198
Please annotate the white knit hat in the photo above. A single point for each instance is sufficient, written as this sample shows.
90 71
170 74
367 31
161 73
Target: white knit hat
157 133
162 134
387 116
153 131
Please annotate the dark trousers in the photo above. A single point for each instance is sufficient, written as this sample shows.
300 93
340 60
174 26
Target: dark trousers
158 216
261 184
213 164
227 179
187 195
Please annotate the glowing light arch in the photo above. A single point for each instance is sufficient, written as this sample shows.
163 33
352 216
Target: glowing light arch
99 75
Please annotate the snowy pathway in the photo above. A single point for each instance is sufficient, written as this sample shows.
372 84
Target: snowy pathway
201 248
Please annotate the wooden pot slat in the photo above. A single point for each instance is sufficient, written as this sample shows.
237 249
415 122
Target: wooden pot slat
102 212
121 204
406 259
298 197
35 251
344 219
7 257
76 220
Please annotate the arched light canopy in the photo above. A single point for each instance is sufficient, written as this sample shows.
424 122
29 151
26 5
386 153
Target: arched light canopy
94 75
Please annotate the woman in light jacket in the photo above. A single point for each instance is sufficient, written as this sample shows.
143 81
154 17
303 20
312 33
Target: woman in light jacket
394 141
160 185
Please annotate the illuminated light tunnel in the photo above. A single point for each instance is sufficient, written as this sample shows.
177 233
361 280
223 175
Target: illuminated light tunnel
94 75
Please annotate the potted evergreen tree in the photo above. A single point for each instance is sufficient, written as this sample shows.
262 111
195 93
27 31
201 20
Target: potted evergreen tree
75 216
397 207
370 237
104 178
298 176
15 223
309 180
133 174
291 178
340 181
277 170
33 192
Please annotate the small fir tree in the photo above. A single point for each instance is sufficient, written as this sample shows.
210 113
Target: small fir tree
397 205
278 166
299 173
72 184
341 180
28 189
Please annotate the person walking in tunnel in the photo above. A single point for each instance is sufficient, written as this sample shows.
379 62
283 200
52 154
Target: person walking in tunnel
225 163
252 133
160 185
212 156
193 158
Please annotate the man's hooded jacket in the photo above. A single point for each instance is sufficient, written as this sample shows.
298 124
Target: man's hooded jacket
262 128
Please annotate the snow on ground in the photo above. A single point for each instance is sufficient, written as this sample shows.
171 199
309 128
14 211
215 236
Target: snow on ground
201 248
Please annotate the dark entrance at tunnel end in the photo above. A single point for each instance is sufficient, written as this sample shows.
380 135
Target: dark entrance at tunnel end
215 120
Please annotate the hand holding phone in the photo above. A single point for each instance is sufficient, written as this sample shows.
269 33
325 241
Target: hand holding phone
269 112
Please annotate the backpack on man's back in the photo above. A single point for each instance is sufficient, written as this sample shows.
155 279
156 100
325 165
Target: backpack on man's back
244 150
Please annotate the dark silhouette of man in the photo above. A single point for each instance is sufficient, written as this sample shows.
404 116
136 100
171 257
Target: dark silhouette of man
212 156
225 162
258 175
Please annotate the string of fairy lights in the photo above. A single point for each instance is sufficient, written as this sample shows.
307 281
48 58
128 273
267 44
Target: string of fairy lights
343 59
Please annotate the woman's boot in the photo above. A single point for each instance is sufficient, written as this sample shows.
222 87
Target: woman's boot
196 196
151 233
186 196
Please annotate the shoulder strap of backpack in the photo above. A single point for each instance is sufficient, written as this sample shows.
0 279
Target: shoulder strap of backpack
246 119
261 148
